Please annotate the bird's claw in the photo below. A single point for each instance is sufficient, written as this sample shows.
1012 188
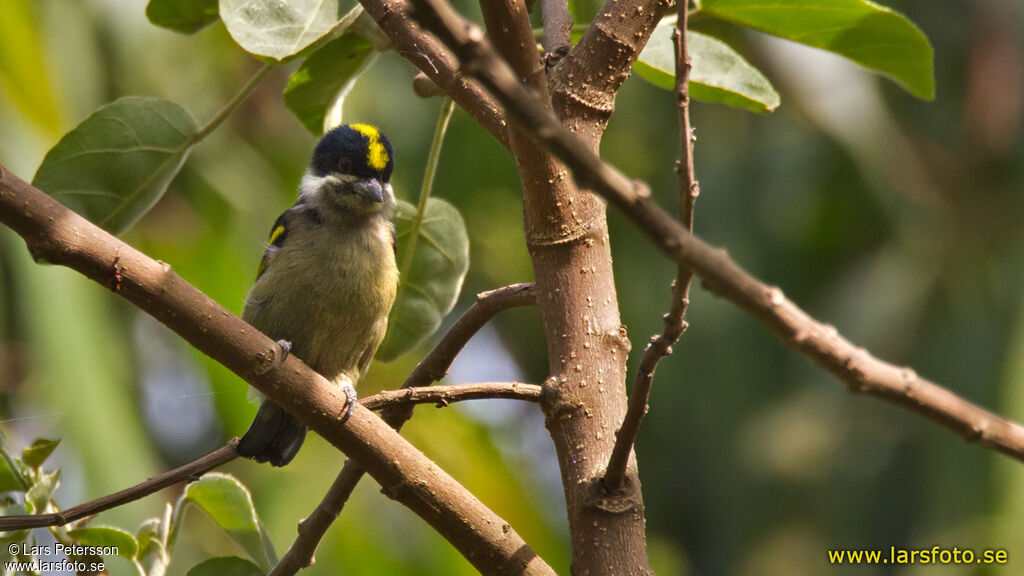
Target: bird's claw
350 401
286 349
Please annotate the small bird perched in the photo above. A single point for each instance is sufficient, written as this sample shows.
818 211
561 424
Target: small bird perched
328 277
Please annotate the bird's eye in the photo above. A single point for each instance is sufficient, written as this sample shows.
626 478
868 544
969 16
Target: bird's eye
345 166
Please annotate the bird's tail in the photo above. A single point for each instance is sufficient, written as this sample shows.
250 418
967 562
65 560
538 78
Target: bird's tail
274 436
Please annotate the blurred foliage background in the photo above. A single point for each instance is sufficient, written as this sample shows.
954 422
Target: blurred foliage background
898 221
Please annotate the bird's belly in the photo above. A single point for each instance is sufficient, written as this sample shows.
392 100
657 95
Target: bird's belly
332 312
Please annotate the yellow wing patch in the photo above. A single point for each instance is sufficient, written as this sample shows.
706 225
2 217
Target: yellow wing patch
276 234
376 155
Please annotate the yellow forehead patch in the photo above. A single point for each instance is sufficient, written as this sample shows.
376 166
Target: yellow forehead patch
376 155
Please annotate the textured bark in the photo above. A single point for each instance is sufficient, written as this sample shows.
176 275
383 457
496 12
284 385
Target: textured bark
585 82
584 397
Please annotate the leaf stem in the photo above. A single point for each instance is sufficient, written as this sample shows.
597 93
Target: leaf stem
232 104
428 183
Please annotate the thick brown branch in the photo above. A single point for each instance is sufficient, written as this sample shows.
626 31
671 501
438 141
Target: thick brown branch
675 321
55 234
584 83
434 60
433 367
187 473
557 36
854 366
584 394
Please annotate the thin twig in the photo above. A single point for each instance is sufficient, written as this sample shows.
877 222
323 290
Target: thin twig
431 368
188 473
854 366
442 396
437 395
675 321
234 103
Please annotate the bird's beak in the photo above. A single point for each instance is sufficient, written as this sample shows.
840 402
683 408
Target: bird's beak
370 189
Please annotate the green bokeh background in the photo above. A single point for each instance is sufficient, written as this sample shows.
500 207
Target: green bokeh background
898 221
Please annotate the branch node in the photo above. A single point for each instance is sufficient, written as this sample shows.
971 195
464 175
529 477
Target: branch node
264 361
614 500
551 59
425 87
115 268
641 189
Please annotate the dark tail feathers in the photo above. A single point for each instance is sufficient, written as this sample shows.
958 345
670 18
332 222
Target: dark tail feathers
275 436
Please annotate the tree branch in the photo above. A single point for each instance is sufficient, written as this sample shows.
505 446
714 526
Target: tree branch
187 473
434 60
584 83
440 396
675 321
854 366
433 367
57 235
585 392
557 36
438 361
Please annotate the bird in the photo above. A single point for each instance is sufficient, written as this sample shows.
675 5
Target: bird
328 277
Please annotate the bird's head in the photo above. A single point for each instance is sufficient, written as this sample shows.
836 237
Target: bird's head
350 171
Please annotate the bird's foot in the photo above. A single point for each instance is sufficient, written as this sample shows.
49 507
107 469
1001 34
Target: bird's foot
286 349
350 401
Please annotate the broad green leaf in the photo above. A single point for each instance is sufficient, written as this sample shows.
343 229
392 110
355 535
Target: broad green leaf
227 502
185 16
38 496
225 566
719 73
24 71
871 35
431 281
118 162
281 30
326 76
39 451
106 536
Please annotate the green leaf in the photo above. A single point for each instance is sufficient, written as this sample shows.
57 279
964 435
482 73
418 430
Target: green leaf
871 35
227 502
39 451
431 282
281 30
38 496
185 16
719 73
117 163
326 76
11 508
225 566
148 538
107 536
11 477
